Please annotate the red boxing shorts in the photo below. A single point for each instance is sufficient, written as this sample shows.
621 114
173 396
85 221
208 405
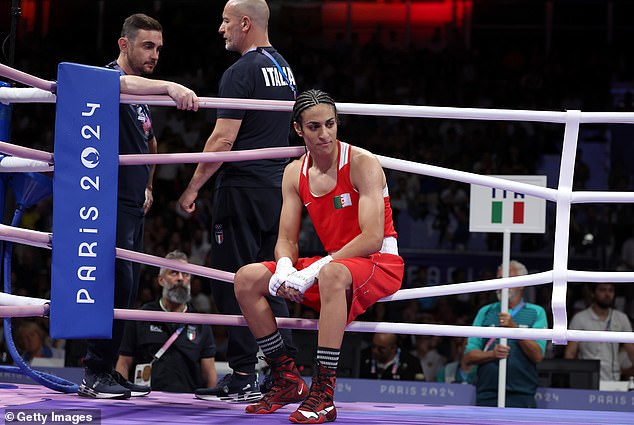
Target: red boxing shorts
373 278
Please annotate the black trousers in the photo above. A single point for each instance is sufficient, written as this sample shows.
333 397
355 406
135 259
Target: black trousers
102 354
244 230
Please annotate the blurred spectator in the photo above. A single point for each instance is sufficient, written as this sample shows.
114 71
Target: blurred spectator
582 172
453 371
425 350
200 300
200 246
627 255
35 344
627 367
421 280
409 311
601 316
384 359
5 357
589 228
398 197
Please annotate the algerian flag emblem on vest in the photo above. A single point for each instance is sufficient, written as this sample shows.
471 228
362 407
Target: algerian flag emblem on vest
342 201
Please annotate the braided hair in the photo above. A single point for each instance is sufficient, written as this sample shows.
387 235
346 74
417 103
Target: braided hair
308 99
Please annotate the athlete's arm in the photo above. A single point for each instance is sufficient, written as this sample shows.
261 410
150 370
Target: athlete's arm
367 176
221 140
290 221
291 215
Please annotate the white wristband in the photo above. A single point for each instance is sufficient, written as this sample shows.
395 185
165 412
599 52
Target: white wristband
317 265
283 262
283 268
303 279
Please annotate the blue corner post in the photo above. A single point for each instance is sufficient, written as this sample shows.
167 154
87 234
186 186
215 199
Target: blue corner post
28 189
85 202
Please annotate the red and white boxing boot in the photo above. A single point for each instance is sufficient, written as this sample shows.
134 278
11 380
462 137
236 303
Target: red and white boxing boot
288 387
319 407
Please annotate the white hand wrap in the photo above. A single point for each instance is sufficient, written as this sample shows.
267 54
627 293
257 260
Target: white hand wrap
303 279
283 268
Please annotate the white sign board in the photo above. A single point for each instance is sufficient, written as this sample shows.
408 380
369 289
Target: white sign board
497 210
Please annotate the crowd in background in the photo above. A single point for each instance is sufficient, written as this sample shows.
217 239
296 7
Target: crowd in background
442 72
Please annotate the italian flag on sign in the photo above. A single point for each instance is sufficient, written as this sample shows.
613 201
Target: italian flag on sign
342 201
518 212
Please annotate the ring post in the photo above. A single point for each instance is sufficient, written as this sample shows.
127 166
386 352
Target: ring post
85 201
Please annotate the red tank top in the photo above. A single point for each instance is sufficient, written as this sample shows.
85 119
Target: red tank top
335 215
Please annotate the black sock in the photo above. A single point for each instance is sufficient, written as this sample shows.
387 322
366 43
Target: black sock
328 357
272 345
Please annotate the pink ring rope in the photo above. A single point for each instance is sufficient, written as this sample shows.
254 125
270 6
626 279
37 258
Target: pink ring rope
27 79
167 158
43 240
24 152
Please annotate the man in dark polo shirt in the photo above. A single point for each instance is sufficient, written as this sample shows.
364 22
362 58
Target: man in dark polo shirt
139 46
183 365
247 195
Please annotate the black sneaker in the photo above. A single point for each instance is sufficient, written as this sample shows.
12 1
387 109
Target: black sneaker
232 388
135 390
101 385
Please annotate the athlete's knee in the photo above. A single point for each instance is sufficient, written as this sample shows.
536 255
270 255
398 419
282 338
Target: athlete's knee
242 280
248 278
333 277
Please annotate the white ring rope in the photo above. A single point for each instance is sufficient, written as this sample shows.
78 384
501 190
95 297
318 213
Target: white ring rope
9 95
357 326
28 95
14 164
563 196
18 300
